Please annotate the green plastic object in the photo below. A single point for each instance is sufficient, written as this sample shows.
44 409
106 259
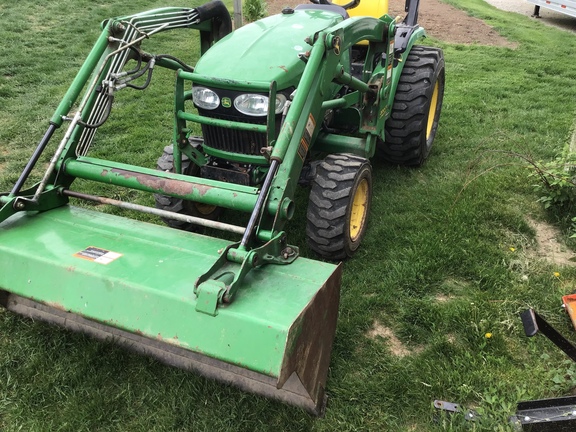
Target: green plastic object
139 278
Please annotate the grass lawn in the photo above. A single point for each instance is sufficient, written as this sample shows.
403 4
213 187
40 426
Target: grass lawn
430 303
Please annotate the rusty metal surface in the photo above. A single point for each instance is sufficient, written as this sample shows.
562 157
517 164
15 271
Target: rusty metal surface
168 186
291 392
206 191
309 344
227 175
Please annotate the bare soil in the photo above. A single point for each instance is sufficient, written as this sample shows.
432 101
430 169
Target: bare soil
440 20
548 246
396 347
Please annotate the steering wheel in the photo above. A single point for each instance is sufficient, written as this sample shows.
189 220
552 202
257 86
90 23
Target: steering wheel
350 5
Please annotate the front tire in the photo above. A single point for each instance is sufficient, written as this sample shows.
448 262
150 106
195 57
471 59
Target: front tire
339 205
178 205
413 122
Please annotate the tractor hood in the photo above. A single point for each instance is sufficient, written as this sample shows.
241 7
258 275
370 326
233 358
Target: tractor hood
266 50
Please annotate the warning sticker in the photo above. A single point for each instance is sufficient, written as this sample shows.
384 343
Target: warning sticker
303 149
389 73
308 133
101 256
310 126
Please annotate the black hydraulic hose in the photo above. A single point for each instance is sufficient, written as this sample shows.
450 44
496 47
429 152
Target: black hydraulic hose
106 115
185 67
138 71
217 10
259 203
143 86
32 162
139 62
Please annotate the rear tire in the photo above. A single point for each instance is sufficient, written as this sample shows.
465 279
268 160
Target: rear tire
339 205
413 122
177 205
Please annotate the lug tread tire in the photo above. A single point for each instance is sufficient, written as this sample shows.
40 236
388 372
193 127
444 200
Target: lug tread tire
405 132
330 204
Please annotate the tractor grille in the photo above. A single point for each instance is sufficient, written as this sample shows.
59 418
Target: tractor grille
233 140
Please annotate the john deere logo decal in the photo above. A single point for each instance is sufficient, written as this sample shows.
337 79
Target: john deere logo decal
226 102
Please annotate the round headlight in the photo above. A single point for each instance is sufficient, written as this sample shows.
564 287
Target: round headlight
280 103
205 98
257 105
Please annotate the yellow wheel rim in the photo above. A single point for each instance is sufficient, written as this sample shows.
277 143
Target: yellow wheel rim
432 110
359 207
204 209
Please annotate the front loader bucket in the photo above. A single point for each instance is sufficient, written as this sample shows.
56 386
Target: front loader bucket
114 277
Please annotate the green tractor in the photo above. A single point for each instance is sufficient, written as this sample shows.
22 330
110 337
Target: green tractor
307 96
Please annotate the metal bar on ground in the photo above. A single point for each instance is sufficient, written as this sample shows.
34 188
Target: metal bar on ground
533 323
548 415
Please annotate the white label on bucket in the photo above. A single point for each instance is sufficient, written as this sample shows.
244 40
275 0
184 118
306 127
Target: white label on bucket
101 256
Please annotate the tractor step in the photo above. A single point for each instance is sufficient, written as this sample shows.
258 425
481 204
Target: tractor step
110 276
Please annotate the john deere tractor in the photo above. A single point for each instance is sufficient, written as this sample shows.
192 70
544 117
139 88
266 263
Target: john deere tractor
306 97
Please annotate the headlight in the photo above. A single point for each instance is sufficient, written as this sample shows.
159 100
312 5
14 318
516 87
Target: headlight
205 98
257 105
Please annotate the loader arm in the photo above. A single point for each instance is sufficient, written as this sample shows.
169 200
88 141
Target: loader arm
101 75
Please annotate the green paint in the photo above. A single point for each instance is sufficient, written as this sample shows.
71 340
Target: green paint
267 50
149 288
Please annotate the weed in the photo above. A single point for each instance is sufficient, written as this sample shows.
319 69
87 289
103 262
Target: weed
557 182
562 377
253 10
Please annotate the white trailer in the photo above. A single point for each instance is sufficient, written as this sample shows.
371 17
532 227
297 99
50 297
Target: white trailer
567 7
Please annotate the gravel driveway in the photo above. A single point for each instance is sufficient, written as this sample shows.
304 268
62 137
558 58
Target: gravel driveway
548 16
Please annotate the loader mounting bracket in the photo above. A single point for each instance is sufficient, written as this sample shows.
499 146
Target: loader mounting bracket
49 199
220 283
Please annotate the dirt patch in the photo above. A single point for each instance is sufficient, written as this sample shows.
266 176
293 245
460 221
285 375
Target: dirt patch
548 246
442 298
449 24
440 20
396 347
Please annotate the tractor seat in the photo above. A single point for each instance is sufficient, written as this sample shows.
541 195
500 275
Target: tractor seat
333 8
